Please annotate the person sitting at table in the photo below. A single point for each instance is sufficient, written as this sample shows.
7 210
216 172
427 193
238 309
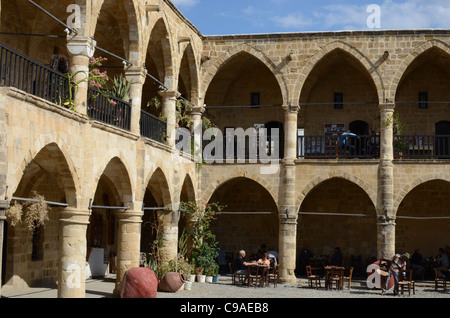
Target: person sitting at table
272 254
443 264
262 250
337 257
240 265
264 260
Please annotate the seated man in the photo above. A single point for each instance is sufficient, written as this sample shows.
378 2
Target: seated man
240 266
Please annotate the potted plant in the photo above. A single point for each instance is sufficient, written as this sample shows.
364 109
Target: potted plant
204 244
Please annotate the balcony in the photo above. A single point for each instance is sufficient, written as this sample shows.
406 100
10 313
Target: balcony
338 147
422 147
32 77
108 109
21 72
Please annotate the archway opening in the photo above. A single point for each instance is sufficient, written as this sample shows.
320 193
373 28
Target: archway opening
249 219
337 213
29 253
423 222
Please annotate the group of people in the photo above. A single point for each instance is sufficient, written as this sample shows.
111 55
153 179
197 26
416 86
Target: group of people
442 263
264 256
399 263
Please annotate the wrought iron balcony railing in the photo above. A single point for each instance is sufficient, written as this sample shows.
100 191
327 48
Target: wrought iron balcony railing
152 127
108 109
20 71
338 147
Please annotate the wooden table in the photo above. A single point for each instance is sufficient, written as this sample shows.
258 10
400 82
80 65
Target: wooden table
331 271
258 272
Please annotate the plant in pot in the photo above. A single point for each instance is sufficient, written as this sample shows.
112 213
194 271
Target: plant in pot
204 244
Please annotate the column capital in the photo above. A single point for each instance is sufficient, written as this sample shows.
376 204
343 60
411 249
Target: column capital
130 216
197 110
386 107
169 94
74 216
291 108
136 73
80 45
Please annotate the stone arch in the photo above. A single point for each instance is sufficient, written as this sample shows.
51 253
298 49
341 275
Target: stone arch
58 162
160 34
418 181
214 185
189 188
371 193
348 49
128 22
406 62
212 69
117 172
192 71
161 187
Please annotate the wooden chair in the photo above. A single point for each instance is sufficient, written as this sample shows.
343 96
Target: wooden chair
272 277
336 278
406 281
253 276
439 281
311 277
236 278
349 277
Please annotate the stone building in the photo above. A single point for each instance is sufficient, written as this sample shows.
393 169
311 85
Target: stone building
99 167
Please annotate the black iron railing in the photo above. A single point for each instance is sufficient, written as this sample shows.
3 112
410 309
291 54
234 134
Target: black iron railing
338 147
19 71
422 147
108 109
152 127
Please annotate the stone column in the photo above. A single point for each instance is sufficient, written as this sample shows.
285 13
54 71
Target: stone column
288 213
198 133
287 244
290 133
169 224
3 206
169 112
72 253
136 77
128 244
81 49
385 208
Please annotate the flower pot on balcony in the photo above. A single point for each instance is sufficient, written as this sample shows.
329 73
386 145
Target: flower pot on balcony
209 279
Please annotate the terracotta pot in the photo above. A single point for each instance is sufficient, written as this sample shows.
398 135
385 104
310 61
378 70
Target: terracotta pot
171 282
139 282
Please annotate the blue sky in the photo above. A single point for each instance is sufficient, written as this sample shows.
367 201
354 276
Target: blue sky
219 17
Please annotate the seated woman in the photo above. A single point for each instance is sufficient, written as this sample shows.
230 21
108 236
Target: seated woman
264 260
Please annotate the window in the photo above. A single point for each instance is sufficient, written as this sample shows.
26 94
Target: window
37 242
338 100
255 99
423 100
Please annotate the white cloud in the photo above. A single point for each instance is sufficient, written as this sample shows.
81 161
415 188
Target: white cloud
395 14
185 3
293 20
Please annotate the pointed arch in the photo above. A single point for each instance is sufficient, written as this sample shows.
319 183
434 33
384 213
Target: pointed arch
189 73
215 184
126 18
212 68
366 188
52 158
396 79
351 51
117 174
156 182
